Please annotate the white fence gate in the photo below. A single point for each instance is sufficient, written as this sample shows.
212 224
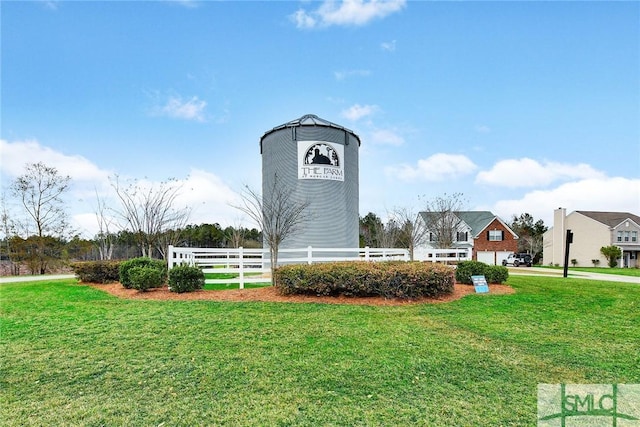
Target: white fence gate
253 265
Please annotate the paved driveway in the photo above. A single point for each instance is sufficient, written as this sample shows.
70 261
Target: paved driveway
537 271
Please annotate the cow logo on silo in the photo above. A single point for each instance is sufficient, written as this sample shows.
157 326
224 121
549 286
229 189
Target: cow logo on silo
320 160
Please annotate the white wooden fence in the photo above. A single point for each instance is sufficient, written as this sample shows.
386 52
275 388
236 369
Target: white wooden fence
253 265
442 255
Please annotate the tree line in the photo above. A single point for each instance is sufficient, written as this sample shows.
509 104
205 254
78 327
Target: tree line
37 235
146 220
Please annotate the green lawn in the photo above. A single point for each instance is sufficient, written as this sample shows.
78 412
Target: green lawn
73 355
228 286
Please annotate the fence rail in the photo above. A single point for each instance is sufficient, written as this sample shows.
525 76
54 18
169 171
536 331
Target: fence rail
254 265
443 255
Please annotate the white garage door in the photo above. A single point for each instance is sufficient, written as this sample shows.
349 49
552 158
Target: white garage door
500 256
488 257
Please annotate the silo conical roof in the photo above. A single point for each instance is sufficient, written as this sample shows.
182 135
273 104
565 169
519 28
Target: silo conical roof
309 120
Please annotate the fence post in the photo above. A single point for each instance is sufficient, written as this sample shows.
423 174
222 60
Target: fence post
309 255
366 253
241 266
170 257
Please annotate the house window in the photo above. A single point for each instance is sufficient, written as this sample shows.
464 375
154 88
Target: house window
462 236
431 237
626 236
495 235
619 236
634 236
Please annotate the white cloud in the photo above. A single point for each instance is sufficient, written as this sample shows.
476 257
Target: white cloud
15 155
482 129
346 13
178 108
208 195
438 167
615 194
526 172
303 19
343 75
357 111
385 137
388 46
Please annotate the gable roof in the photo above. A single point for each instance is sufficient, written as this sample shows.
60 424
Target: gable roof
476 220
612 219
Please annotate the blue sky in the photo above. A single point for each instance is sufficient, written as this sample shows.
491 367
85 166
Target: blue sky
520 106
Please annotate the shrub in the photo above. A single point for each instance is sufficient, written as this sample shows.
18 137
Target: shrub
493 273
97 271
386 279
496 274
126 266
185 278
611 253
466 269
144 278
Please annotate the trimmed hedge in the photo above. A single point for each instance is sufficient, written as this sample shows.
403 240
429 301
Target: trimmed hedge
405 280
97 271
493 273
184 278
496 274
146 277
126 266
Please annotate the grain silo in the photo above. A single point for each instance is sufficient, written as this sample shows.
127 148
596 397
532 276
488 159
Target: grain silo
318 162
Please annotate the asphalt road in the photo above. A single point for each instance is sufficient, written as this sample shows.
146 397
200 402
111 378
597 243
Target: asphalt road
537 271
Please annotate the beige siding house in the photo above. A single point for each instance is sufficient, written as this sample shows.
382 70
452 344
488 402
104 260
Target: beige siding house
591 231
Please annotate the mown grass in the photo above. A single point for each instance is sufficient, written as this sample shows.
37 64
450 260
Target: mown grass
229 286
73 355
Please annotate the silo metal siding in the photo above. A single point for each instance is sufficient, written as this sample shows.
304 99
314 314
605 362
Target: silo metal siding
333 214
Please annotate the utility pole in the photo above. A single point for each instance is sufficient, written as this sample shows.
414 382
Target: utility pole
568 241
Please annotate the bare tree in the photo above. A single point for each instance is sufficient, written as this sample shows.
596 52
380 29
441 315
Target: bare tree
412 231
235 234
149 211
8 231
40 191
277 215
105 238
530 233
389 234
440 219
172 235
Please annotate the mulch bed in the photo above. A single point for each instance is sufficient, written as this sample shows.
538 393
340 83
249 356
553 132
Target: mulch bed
269 294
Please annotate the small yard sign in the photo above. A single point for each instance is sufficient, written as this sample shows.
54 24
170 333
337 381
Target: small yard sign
480 284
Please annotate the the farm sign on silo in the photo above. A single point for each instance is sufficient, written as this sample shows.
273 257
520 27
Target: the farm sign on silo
320 160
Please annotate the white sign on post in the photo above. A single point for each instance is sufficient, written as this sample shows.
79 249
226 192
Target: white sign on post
480 284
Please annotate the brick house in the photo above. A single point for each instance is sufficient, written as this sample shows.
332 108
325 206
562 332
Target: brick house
489 238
